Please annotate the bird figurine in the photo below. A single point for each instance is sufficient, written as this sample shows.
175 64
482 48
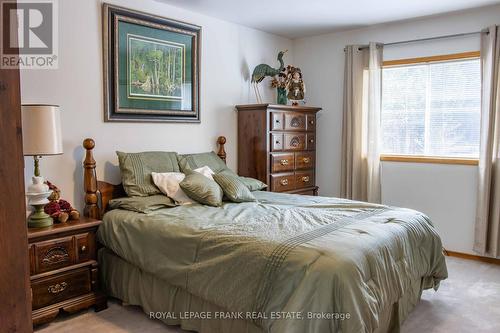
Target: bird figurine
263 70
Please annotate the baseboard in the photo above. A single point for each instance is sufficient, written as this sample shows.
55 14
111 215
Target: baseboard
471 257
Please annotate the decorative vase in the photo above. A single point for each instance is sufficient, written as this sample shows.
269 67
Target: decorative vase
281 96
37 194
38 185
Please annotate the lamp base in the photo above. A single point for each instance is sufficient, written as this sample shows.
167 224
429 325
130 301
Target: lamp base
39 218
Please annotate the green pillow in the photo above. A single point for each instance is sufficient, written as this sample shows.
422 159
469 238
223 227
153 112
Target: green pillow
252 184
136 170
233 188
189 162
202 189
142 204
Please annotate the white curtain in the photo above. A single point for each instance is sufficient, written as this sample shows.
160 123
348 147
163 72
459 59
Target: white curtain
487 228
361 123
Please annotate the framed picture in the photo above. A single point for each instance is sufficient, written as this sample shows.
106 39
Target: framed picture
151 67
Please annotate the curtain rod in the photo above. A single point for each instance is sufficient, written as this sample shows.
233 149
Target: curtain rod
428 39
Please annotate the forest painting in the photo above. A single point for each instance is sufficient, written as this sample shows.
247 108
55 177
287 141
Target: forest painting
155 68
151 68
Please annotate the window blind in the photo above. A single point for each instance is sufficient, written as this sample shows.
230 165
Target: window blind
432 109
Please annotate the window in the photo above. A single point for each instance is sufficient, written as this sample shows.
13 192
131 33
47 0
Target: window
431 106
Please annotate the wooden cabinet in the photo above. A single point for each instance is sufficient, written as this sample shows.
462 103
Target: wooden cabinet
277 145
64 269
15 304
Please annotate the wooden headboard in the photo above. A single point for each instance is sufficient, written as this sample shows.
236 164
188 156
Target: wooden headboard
99 193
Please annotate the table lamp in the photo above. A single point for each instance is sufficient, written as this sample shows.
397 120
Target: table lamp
41 137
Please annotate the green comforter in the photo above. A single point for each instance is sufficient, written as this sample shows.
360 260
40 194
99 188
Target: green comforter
327 265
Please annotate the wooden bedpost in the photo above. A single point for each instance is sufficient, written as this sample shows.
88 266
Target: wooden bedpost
221 140
90 181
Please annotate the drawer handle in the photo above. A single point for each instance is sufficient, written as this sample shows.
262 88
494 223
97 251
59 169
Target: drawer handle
295 122
83 249
284 162
55 255
311 141
57 288
311 122
306 160
284 182
305 179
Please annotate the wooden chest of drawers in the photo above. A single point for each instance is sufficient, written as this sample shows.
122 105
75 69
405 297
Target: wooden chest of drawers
63 269
277 145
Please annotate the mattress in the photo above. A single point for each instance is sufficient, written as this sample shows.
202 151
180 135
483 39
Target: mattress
286 263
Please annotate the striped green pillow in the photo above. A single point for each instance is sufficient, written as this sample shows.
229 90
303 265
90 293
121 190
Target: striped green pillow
233 188
136 169
252 184
189 162
202 189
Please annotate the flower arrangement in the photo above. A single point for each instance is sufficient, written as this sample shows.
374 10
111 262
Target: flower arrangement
282 82
283 78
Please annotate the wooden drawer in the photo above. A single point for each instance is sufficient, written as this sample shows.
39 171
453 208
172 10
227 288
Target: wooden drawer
311 122
276 142
60 287
311 141
295 121
304 160
85 244
282 182
294 141
304 179
307 191
276 121
282 162
53 254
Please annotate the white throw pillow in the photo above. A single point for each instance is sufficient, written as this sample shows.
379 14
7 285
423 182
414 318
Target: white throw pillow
205 171
168 183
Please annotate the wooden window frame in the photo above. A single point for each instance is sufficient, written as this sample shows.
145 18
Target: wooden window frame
437 58
428 159
422 158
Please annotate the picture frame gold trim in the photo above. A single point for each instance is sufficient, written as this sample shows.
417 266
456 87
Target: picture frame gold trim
112 112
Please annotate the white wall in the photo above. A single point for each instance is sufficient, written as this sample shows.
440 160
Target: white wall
229 53
445 192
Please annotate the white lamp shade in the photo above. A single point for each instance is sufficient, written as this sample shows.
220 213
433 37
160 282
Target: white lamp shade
41 130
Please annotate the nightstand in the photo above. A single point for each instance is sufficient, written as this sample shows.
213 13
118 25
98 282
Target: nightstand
63 269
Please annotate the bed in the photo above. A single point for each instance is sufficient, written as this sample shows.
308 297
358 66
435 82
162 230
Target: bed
286 263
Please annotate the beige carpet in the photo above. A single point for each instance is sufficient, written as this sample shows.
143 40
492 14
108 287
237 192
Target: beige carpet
468 301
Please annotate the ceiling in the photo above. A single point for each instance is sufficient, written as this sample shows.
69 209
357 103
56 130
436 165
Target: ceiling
300 18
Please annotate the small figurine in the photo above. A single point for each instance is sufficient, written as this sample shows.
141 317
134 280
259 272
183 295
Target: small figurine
296 88
60 210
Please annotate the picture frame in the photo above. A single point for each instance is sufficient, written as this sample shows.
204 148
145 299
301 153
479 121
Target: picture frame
151 67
